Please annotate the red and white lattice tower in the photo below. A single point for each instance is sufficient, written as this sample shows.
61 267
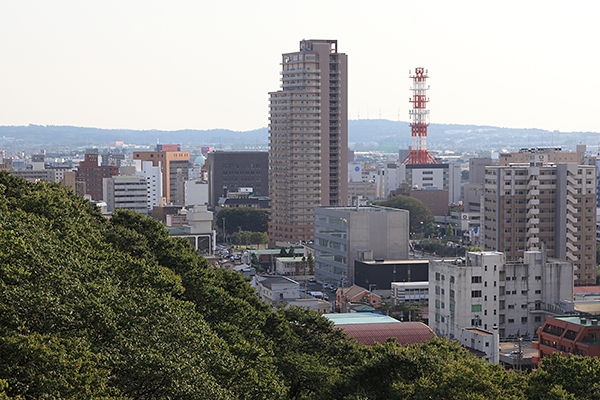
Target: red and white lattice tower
418 151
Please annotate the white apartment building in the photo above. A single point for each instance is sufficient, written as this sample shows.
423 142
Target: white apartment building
484 289
153 176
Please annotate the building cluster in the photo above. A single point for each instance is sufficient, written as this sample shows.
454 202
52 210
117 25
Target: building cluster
532 213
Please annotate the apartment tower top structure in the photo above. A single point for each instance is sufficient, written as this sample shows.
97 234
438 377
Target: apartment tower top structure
308 139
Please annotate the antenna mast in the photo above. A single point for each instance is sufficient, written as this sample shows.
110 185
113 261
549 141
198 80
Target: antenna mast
418 151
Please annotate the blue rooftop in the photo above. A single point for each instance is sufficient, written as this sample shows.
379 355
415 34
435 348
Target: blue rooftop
360 318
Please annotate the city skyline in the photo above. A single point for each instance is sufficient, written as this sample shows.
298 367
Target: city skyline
188 65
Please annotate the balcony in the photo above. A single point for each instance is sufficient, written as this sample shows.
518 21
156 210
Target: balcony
532 222
533 202
532 231
534 212
533 242
532 193
571 247
299 70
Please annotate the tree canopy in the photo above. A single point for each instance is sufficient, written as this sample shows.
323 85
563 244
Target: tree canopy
116 309
243 218
420 216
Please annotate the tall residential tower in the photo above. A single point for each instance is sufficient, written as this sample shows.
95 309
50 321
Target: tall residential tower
308 139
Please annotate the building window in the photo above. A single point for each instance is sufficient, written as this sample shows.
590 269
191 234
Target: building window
476 308
475 279
475 293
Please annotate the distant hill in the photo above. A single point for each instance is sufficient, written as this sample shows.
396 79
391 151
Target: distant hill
364 134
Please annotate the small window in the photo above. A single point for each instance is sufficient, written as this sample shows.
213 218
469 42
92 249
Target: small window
476 308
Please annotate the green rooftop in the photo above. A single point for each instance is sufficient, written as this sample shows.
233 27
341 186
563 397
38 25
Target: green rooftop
360 318
577 319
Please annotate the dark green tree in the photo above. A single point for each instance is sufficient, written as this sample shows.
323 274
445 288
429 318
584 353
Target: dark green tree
244 218
420 215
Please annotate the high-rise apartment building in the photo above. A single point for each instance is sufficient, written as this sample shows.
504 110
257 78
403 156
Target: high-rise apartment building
540 204
308 134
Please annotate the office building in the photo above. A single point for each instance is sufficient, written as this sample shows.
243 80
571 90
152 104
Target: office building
229 171
126 192
90 172
172 161
308 134
540 204
346 234
484 289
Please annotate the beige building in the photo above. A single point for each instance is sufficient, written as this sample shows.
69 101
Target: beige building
553 154
541 204
308 134
170 162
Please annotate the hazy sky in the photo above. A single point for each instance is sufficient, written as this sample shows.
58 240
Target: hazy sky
209 64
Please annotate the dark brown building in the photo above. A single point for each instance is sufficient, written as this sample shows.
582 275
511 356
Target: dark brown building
232 170
92 174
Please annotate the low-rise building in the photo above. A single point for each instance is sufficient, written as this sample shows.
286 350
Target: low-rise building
355 294
346 234
275 289
410 292
292 266
378 275
573 334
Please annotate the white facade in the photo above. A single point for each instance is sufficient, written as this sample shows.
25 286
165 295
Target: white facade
484 341
484 289
153 176
125 191
196 192
275 289
410 292
435 177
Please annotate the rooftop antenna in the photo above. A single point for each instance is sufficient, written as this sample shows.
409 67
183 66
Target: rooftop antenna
418 151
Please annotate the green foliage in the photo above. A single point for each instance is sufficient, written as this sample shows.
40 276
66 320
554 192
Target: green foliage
250 238
449 230
440 248
566 378
420 215
244 218
96 308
